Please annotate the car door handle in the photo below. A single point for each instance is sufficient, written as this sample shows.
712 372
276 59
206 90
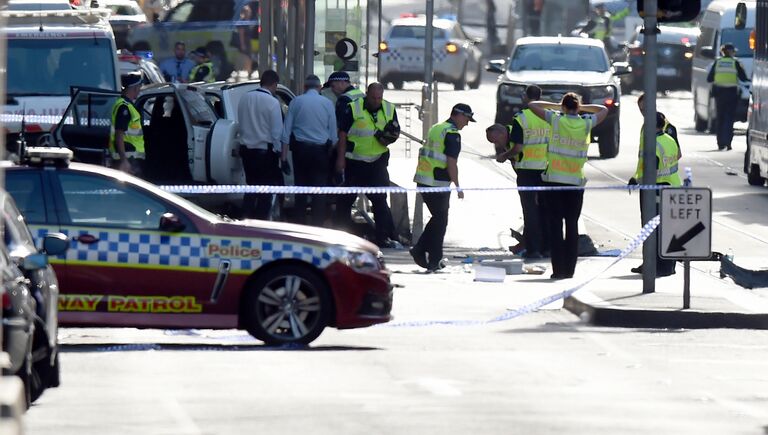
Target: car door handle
87 239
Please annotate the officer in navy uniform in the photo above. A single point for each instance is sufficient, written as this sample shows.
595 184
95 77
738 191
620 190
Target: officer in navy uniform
724 76
126 141
203 71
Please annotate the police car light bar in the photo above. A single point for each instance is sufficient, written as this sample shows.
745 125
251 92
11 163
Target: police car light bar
47 156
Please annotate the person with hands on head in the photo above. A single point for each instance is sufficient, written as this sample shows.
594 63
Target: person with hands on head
126 139
437 167
566 155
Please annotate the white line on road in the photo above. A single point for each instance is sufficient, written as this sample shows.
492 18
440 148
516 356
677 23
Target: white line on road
185 423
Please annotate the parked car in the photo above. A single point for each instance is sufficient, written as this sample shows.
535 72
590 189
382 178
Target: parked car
142 62
675 46
560 65
29 301
456 57
212 24
126 14
143 257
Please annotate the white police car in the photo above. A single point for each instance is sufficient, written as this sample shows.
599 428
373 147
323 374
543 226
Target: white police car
142 257
456 57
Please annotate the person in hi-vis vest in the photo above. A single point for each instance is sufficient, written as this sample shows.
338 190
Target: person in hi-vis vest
724 76
437 168
566 155
524 143
126 139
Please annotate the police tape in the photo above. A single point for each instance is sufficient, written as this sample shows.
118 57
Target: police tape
348 190
645 232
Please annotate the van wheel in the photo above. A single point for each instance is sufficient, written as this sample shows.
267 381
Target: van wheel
712 121
461 83
699 124
608 142
474 84
753 176
397 84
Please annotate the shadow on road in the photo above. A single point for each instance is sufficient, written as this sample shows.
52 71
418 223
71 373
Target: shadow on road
222 347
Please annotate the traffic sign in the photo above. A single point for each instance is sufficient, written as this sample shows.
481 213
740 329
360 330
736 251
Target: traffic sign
685 232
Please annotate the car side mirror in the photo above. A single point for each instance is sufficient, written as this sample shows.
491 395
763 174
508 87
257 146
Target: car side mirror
34 262
708 51
495 65
171 223
621 68
55 244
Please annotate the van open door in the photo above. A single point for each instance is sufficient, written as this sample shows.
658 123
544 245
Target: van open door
85 125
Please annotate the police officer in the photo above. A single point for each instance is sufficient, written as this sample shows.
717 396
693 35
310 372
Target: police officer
525 143
437 168
669 128
566 155
203 71
600 24
667 156
126 138
725 74
366 130
340 84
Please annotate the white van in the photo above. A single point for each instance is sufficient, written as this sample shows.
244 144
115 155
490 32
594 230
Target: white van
717 27
51 47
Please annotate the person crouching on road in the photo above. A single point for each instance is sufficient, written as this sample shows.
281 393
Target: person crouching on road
311 130
203 71
525 144
126 139
367 129
667 156
566 155
437 168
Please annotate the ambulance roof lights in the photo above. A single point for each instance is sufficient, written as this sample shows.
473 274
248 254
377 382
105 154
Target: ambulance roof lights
47 156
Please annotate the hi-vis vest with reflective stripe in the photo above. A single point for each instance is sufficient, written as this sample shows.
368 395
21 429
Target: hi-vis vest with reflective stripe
725 72
209 78
567 150
432 155
667 169
367 148
536 133
354 94
133 140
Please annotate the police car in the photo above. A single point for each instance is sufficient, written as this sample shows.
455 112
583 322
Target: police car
456 57
142 257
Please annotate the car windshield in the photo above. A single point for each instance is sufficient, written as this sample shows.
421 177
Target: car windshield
558 57
51 66
740 39
415 32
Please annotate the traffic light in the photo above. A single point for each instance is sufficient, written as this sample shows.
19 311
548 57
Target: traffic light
673 11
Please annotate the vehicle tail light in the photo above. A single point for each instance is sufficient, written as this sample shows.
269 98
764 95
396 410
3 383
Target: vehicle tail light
5 300
383 46
688 55
636 51
752 40
33 128
451 48
129 58
685 40
408 15
608 101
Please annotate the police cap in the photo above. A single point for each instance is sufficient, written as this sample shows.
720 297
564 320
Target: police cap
130 79
464 109
728 46
338 76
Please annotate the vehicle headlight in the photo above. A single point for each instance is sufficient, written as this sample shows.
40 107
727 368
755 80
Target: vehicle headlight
511 92
361 261
599 94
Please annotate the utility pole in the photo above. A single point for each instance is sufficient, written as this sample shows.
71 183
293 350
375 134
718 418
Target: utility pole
648 197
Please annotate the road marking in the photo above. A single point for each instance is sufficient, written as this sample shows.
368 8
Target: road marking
185 424
436 386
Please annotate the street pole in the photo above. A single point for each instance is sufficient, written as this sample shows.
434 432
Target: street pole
378 58
648 197
309 41
426 94
368 39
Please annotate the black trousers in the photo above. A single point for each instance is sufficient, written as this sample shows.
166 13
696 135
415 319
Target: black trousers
431 240
563 206
364 174
726 100
311 167
534 222
262 167
663 267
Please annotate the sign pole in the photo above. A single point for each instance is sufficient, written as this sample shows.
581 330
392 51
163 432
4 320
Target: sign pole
686 284
648 207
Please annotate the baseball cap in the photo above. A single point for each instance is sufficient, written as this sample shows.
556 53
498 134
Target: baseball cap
312 81
130 79
464 109
729 46
338 76
199 51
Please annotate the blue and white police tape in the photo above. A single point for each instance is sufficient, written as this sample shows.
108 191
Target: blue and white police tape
645 232
343 190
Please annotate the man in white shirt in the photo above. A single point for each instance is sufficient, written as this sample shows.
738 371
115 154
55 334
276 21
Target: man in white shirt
261 130
310 130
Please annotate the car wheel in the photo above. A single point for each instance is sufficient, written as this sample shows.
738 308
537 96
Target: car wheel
461 83
221 66
712 121
699 124
608 141
474 84
397 84
287 304
753 176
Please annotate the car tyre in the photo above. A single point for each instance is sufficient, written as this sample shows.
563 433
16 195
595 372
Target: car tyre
397 84
474 84
712 121
608 141
288 304
699 124
461 83
753 176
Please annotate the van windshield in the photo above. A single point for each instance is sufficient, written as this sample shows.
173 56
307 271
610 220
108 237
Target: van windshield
740 39
51 66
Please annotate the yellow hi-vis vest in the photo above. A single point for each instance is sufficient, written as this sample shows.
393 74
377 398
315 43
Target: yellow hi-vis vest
725 72
209 78
567 150
536 133
639 170
354 94
432 155
603 28
367 148
666 153
133 140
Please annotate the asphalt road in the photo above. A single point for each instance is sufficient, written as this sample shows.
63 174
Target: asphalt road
545 372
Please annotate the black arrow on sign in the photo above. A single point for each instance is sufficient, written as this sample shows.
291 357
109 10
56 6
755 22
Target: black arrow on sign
677 245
